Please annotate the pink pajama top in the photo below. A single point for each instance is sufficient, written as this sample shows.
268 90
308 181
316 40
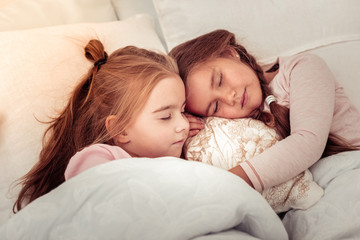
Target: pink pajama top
318 105
91 156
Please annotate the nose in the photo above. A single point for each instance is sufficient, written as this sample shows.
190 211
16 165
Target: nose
182 124
228 96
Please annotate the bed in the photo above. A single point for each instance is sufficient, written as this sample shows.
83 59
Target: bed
165 198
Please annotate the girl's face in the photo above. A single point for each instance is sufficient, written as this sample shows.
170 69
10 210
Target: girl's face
223 87
161 128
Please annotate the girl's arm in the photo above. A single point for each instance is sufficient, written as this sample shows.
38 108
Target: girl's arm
310 86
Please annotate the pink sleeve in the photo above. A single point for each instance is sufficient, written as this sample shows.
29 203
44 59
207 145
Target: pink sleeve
312 97
92 156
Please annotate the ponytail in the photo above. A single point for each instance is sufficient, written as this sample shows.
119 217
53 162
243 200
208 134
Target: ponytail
61 139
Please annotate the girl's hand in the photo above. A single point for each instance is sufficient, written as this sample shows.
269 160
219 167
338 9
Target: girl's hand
195 124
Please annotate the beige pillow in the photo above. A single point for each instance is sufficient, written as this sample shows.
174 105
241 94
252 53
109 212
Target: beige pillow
225 143
39 68
25 14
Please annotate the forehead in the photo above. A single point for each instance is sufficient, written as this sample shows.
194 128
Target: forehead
198 90
203 66
207 67
170 82
200 73
167 89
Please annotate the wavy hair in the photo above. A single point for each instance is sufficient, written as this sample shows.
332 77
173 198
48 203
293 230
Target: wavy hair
119 85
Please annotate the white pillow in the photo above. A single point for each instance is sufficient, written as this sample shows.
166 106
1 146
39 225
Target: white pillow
266 28
128 8
23 14
39 68
225 143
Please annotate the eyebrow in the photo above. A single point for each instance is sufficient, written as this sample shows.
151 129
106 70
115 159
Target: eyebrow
212 86
166 108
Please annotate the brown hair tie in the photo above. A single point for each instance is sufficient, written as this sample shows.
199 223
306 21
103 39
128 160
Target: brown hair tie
102 61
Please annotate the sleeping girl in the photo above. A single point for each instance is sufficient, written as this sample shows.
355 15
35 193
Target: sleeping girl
296 95
130 104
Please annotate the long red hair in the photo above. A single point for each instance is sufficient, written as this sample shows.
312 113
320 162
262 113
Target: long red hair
117 85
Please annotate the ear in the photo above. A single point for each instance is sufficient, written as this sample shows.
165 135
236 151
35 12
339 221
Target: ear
230 52
120 138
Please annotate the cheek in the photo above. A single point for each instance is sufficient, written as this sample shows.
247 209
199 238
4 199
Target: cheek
156 130
231 112
258 96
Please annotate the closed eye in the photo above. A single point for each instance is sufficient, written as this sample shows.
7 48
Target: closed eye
220 79
166 118
216 107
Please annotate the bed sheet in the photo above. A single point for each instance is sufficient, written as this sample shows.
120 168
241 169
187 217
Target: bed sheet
140 198
337 214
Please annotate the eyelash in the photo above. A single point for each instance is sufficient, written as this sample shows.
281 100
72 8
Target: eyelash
169 117
220 79
166 118
217 102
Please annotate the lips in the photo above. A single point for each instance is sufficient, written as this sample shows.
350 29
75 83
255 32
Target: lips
244 98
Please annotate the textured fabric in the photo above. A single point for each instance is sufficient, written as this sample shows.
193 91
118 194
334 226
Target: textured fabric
225 143
154 199
318 105
337 214
91 156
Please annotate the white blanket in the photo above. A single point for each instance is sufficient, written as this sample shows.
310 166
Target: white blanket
164 198
337 214
170 198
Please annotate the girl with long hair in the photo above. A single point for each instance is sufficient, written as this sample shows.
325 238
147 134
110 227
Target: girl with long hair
130 104
296 95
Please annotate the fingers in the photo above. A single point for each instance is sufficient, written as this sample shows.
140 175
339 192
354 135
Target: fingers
193 132
195 123
193 119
